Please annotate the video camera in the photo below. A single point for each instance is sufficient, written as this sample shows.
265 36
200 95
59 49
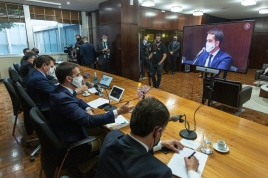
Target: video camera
146 50
68 49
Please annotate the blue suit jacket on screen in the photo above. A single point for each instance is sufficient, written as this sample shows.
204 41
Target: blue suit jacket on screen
39 88
123 157
221 61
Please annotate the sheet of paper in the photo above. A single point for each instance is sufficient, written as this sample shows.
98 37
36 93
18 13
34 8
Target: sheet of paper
92 90
119 121
97 102
177 164
189 143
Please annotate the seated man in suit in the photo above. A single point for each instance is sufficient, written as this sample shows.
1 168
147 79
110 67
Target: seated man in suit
27 65
70 117
131 155
25 50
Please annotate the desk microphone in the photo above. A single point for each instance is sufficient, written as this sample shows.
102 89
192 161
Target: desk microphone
91 85
176 118
200 52
109 107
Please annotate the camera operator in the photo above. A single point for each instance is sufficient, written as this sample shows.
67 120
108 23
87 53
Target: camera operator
78 43
69 50
145 49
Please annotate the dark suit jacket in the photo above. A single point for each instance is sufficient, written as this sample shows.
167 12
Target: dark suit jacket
174 48
68 118
87 54
101 54
24 69
22 59
142 47
122 157
39 88
221 61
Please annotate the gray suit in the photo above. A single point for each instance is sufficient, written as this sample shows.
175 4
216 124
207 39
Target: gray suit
173 47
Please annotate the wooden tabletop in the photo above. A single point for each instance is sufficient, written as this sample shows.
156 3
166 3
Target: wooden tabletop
246 140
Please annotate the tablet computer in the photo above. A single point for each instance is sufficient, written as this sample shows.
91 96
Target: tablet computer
116 93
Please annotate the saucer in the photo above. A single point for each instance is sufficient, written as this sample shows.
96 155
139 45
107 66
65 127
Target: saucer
85 94
215 146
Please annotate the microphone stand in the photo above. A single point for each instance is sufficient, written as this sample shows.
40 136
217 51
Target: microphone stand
187 133
109 107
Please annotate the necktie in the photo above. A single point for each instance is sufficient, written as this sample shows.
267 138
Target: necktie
209 60
74 93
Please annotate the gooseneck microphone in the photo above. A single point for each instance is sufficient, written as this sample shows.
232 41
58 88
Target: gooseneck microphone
109 107
91 85
200 52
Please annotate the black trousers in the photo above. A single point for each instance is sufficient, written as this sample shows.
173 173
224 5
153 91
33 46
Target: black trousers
172 59
105 66
155 68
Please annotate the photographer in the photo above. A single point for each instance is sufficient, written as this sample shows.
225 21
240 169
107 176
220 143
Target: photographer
69 50
145 48
78 43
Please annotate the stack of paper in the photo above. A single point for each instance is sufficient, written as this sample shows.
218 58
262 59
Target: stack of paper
97 102
120 122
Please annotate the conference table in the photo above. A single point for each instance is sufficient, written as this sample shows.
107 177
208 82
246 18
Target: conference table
247 140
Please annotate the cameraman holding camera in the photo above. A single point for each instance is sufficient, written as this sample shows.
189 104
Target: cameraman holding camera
145 49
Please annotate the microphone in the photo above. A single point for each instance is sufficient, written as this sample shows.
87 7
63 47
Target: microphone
185 133
109 107
89 85
200 52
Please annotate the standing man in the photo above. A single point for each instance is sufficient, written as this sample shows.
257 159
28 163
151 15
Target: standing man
144 54
131 155
27 65
157 56
77 46
25 50
173 49
104 51
87 53
36 52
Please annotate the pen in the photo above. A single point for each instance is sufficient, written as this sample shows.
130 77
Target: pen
191 155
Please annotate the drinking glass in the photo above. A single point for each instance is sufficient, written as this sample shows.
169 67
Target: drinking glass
207 143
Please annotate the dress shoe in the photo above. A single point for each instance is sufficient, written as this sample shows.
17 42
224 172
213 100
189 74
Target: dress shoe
173 73
165 72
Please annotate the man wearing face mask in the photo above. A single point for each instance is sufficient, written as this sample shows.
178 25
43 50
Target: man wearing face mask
71 116
157 57
78 44
173 49
144 54
27 65
131 155
36 52
104 51
214 57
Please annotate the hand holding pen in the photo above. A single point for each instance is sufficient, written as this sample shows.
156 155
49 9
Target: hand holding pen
191 162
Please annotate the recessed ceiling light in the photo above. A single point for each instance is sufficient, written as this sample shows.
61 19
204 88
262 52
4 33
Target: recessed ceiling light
68 2
198 13
263 11
176 9
148 3
163 11
248 2
59 6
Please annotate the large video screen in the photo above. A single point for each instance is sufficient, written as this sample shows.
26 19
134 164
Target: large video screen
220 46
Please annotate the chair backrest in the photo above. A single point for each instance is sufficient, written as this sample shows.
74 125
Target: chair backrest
17 67
264 66
52 151
14 76
12 94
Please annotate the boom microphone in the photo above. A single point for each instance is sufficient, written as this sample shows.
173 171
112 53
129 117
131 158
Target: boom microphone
176 118
200 52
89 85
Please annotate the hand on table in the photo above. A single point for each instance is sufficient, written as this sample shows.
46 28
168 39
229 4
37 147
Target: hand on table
170 144
82 89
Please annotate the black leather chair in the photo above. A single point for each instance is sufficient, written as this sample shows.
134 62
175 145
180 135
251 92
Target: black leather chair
27 104
259 75
17 67
53 155
228 92
17 109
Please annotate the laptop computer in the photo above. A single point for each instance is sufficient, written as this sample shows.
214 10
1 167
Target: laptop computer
105 81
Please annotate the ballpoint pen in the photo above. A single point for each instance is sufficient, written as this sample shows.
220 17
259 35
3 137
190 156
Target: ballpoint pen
191 155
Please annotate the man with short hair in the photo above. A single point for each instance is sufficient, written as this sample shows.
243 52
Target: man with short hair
71 116
87 54
25 50
104 51
131 155
173 49
144 54
27 65
78 44
36 52
157 56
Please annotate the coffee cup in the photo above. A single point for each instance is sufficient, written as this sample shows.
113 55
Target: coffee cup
221 144
86 93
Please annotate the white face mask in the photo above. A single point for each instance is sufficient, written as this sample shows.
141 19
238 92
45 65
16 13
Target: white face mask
104 40
210 47
51 71
144 41
78 81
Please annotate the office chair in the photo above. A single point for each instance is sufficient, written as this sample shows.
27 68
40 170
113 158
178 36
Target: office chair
17 67
17 109
53 154
27 104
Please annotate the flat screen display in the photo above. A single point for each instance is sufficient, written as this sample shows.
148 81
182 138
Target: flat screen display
219 46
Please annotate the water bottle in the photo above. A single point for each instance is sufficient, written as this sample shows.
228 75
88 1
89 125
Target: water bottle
95 79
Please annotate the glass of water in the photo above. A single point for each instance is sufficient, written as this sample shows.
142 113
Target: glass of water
207 143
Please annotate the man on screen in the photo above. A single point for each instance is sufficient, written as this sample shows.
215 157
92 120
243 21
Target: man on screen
213 56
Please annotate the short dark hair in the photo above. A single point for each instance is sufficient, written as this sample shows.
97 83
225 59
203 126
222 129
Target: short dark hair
29 55
78 35
43 59
218 34
158 35
64 69
85 38
148 114
25 49
104 34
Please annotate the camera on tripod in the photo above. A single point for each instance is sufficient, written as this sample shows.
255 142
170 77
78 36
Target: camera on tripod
69 50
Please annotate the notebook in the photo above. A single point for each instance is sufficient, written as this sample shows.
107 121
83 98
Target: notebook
105 81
